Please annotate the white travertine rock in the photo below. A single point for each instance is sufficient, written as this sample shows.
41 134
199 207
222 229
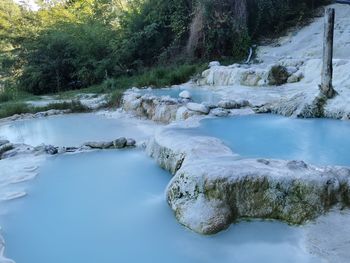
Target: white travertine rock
185 94
228 104
252 75
291 70
305 43
293 78
219 112
197 107
212 187
183 113
159 109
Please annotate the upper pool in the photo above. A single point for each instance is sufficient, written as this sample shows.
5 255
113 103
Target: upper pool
74 129
108 207
198 94
316 141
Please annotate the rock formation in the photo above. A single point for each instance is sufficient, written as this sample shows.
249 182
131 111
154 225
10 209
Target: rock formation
212 187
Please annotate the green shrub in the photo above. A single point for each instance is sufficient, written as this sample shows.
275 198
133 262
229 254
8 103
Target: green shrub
115 98
5 96
7 110
73 106
10 109
268 17
278 75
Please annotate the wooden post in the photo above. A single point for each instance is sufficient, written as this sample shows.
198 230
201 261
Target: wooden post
327 68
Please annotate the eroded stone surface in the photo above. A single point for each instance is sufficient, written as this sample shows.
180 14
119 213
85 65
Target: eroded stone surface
159 109
162 109
212 187
197 107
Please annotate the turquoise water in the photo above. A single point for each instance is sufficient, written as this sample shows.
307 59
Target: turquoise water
69 129
108 207
317 141
198 95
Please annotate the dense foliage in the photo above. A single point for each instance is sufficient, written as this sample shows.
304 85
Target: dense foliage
70 44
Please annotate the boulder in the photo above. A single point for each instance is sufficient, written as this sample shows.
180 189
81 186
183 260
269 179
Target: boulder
198 107
185 95
130 142
72 149
210 105
99 145
229 104
219 112
293 79
277 75
183 113
159 109
120 143
291 70
49 149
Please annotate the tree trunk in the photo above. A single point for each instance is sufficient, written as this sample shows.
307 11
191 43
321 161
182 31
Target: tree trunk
327 68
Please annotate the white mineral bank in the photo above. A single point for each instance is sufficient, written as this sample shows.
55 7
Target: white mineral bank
301 51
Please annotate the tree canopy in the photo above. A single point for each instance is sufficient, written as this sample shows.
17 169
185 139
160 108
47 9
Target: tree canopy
69 44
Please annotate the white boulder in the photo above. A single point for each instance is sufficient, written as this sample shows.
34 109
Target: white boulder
219 112
185 95
198 107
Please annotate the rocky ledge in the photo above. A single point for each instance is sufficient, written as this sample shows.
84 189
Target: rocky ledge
8 149
41 114
212 187
166 110
253 75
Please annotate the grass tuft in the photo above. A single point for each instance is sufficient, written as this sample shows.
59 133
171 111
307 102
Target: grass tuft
10 109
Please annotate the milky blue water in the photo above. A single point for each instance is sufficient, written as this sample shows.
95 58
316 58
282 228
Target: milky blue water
198 94
317 141
109 207
68 129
